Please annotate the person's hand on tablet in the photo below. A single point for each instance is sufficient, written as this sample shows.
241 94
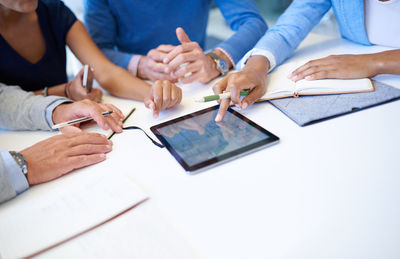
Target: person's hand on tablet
76 110
252 77
163 95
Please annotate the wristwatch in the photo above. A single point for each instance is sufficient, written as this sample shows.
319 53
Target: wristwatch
20 159
222 65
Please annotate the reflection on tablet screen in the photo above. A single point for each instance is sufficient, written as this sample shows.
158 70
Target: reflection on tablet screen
201 138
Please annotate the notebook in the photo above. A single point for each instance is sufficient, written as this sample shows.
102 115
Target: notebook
284 87
312 109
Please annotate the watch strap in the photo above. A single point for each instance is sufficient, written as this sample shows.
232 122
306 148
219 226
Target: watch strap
21 161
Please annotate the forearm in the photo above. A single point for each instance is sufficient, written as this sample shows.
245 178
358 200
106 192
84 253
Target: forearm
22 110
58 90
292 27
121 83
386 62
244 18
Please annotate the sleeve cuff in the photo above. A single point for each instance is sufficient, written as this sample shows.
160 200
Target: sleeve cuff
258 52
50 109
134 64
15 175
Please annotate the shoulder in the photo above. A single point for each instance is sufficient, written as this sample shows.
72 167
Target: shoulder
54 5
61 18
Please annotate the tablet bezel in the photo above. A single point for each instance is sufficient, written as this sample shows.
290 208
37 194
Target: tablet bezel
273 139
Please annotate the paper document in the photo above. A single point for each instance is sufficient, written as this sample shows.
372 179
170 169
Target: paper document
53 212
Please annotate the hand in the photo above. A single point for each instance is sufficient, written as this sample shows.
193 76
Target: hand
199 67
152 66
163 95
336 66
71 111
253 77
76 91
58 155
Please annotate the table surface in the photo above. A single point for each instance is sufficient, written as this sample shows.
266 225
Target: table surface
329 190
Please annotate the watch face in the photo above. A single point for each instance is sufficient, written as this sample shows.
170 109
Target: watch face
223 65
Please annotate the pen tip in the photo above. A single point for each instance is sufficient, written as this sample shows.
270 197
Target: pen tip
199 100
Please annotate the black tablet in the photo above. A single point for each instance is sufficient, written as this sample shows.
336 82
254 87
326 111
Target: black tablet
198 142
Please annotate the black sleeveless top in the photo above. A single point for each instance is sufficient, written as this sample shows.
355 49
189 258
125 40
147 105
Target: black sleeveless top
55 20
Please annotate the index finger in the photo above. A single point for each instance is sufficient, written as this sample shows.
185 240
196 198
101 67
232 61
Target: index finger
166 48
178 50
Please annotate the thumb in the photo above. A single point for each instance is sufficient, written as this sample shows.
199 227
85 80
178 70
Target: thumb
182 36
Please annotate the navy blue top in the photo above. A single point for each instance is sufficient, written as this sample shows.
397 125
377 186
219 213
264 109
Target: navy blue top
55 20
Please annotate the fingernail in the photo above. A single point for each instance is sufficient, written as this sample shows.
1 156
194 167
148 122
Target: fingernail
290 76
308 78
294 78
166 70
102 155
244 105
218 118
165 60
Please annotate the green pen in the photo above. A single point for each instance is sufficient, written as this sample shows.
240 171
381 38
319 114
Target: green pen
217 97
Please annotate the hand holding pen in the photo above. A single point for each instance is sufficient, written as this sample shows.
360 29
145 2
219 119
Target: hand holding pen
252 77
107 116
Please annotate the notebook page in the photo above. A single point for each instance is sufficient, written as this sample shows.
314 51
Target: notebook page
333 86
278 85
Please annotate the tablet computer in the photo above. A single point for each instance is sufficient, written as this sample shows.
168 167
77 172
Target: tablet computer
198 142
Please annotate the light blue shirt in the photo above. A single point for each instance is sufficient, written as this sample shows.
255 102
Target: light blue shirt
280 41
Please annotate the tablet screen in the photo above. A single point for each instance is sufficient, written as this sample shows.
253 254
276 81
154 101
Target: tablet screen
196 140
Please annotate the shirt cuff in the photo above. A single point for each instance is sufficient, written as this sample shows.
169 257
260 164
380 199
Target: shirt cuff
14 172
50 109
259 52
134 64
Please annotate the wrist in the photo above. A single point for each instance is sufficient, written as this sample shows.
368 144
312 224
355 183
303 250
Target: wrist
141 68
213 68
258 65
133 65
58 114
377 63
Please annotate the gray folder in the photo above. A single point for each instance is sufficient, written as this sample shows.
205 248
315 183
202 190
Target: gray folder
310 109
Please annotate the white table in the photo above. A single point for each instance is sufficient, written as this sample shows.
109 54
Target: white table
329 190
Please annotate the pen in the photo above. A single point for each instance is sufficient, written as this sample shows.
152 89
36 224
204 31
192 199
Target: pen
217 97
87 118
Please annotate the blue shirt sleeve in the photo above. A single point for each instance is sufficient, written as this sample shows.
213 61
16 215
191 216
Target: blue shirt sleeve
292 27
15 175
243 17
102 26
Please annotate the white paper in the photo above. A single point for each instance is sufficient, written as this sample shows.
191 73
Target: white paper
52 212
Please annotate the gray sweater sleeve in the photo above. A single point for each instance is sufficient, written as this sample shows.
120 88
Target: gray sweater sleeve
21 110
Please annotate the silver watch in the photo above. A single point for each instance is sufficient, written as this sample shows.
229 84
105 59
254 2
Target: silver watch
221 64
20 159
